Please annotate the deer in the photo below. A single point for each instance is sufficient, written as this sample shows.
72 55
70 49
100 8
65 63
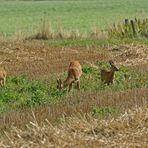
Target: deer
74 74
3 75
108 76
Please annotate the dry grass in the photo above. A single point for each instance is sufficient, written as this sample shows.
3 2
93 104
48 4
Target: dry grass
130 55
37 59
44 31
81 103
130 129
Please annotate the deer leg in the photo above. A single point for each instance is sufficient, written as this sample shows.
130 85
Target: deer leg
4 81
78 85
1 83
70 87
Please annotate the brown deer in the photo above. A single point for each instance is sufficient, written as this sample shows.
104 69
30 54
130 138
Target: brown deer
74 74
108 76
3 75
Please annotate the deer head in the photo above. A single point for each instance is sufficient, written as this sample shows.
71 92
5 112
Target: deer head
113 67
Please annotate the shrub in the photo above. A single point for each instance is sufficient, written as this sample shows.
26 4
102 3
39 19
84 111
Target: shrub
97 111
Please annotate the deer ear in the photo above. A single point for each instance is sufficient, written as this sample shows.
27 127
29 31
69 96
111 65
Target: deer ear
111 62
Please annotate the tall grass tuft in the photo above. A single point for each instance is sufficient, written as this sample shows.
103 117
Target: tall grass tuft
96 33
130 29
43 32
46 32
135 28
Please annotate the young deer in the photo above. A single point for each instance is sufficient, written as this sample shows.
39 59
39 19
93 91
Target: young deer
74 74
108 76
3 75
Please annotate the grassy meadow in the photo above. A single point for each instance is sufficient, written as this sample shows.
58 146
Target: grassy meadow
70 15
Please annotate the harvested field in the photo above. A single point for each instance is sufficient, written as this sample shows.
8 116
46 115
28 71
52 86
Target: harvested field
36 59
81 103
130 129
131 55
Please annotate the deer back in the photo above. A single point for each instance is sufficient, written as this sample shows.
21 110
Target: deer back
75 70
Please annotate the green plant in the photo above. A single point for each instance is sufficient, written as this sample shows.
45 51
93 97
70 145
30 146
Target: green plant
102 111
88 70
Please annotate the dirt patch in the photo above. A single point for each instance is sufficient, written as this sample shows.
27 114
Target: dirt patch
37 59
131 55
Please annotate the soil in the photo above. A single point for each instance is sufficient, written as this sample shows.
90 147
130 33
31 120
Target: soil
37 59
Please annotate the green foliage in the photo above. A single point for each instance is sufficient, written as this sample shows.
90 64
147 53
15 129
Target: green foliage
84 42
102 111
121 74
21 92
88 70
95 42
89 79
103 64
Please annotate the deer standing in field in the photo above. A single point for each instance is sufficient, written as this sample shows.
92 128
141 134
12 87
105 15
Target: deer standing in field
74 74
3 75
108 76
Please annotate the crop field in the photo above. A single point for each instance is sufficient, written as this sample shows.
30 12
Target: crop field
35 113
